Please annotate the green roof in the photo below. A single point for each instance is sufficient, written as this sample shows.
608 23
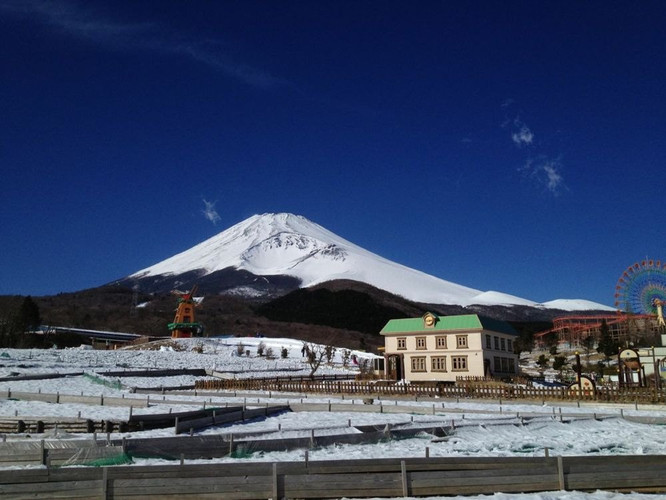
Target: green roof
449 323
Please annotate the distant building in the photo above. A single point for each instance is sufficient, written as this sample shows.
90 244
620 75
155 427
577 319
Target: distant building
434 348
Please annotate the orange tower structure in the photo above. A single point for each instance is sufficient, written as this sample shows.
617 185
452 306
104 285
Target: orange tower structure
183 325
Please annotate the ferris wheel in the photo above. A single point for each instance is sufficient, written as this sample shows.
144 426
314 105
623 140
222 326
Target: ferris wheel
642 288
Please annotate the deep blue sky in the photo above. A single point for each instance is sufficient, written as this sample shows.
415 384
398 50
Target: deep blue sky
512 146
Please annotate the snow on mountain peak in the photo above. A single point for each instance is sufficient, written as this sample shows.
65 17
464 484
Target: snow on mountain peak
275 244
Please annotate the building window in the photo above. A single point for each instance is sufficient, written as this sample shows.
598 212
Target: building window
503 344
439 363
402 344
419 364
504 365
488 343
459 363
509 345
440 342
420 343
496 343
461 341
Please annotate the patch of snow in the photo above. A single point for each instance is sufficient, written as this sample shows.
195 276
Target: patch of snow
576 305
499 298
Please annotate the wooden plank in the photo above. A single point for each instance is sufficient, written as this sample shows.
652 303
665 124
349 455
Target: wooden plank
261 486
605 480
343 485
110 401
257 469
573 463
68 489
240 495
432 463
448 475
472 477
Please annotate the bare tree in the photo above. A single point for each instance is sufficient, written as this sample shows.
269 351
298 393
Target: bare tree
346 355
314 355
330 352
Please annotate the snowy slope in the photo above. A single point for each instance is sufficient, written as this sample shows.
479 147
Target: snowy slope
286 244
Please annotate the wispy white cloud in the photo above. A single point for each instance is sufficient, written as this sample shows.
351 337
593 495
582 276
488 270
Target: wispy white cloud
540 168
547 172
523 136
75 20
210 212
71 19
225 63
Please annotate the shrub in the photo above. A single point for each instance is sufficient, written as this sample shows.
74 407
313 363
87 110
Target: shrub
240 349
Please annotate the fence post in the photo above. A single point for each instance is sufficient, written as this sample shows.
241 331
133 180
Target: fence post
403 474
560 473
275 481
105 483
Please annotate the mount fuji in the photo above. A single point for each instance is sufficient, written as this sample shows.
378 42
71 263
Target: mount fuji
269 255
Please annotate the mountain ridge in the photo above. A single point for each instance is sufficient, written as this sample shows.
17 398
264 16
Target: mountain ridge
269 255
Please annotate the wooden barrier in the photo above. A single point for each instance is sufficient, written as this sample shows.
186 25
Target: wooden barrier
394 477
72 398
197 372
42 453
39 425
40 376
225 416
464 390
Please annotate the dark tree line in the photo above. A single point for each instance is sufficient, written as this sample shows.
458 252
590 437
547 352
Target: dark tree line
18 323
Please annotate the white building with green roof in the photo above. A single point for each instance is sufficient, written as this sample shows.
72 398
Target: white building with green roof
442 348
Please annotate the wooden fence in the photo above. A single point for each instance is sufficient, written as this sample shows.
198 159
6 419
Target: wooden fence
391 477
462 390
76 452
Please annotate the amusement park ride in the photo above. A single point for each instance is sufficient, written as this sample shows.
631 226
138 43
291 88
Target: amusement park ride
640 294
183 325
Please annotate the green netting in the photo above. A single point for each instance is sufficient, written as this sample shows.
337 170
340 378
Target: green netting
122 459
113 384
241 452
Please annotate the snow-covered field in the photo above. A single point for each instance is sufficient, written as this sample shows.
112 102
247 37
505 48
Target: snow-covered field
482 428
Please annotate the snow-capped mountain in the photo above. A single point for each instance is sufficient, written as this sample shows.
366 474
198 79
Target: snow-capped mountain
272 247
